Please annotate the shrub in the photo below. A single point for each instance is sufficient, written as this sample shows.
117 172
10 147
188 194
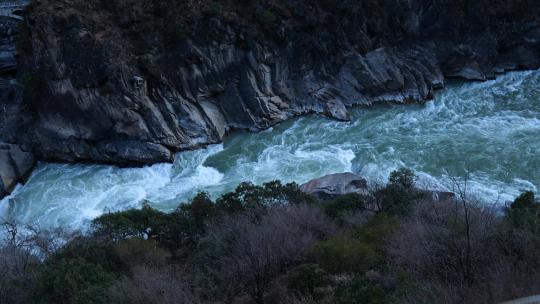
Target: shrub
359 290
73 281
403 178
524 213
345 253
17 274
307 278
215 8
136 252
247 195
33 85
144 223
244 251
173 30
519 235
344 204
448 243
92 252
266 17
398 197
199 211
355 251
152 286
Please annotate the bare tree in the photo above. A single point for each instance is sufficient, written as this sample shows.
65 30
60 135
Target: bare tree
16 276
147 285
249 249
16 262
40 242
451 243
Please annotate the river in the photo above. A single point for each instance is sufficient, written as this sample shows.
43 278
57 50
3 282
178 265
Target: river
490 130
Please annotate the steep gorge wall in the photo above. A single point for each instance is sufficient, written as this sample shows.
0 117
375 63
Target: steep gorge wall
133 81
15 163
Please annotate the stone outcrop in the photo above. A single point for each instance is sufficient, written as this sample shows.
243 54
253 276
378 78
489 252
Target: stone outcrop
333 185
15 166
131 82
16 162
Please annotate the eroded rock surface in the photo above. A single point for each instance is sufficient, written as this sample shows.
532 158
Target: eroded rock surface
15 166
335 185
16 162
133 81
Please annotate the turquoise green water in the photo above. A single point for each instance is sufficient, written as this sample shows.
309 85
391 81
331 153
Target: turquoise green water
490 129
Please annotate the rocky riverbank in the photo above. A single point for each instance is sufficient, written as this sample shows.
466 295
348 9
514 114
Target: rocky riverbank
16 162
132 82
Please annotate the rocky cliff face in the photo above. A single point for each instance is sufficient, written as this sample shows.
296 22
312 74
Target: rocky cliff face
15 162
133 81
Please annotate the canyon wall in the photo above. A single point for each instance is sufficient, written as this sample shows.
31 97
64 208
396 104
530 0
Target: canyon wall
131 82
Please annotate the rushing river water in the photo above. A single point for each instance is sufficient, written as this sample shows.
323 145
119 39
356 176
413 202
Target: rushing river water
489 129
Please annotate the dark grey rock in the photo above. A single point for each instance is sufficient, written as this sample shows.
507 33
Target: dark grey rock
440 196
336 184
7 62
118 83
15 167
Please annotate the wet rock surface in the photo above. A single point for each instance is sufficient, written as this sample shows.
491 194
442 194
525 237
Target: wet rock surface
131 82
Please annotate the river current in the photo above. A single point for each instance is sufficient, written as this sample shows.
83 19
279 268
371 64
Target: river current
490 130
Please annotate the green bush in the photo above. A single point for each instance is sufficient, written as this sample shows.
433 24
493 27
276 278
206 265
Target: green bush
247 195
33 85
346 253
73 281
92 251
199 211
266 17
403 178
144 223
173 30
138 252
524 213
344 204
526 200
307 278
182 228
355 251
398 197
215 8
359 290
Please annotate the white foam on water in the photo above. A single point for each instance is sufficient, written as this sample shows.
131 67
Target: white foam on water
482 189
71 195
190 176
5 203
300 163
489 129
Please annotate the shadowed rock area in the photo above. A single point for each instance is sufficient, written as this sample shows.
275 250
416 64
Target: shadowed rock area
131 82
16 162
15 166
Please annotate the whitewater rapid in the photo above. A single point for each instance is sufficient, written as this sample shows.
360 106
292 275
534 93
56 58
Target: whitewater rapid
490 130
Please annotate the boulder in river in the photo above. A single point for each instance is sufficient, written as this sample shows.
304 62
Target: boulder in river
335 184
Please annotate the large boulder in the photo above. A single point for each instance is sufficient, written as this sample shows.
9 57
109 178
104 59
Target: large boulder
15 167
335 184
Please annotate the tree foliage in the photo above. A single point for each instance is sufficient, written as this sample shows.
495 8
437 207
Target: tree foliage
275 244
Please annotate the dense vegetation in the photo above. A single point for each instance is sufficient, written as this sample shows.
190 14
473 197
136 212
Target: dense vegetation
276 244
